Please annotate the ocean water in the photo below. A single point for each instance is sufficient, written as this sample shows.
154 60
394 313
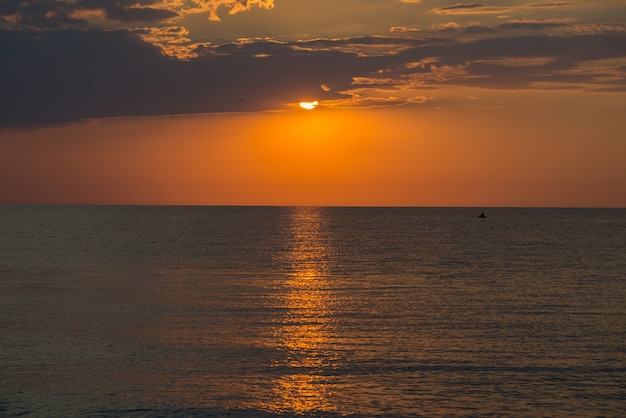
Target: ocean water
325 312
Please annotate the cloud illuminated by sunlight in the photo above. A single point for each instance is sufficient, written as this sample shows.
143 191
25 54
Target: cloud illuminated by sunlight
211 6
191 72
172 40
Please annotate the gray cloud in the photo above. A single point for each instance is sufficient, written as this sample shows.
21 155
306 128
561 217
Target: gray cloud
66 14
71 75
480 8
479 29
535 23
462 7
65 76
48 14
470 9
128 10
555 4
525 62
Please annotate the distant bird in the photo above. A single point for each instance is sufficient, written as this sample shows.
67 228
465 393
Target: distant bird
482 215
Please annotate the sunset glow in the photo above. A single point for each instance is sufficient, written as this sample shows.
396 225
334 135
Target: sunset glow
423 104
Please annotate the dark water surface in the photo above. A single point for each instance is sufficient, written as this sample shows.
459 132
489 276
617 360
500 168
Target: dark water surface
236 311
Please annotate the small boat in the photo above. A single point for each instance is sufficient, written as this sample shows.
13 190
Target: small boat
482 215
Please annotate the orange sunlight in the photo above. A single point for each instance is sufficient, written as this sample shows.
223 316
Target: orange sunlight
309 105
410 157
307 328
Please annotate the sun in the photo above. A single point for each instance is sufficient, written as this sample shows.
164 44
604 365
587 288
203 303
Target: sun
309 105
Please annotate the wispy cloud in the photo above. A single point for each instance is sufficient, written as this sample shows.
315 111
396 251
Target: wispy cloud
481 8
552 5
536 23
127 11
478 28
595 28
447 27
473 8
403 29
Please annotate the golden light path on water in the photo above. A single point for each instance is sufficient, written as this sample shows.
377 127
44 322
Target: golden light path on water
308 326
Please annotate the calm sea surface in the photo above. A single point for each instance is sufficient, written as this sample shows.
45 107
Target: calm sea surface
277 312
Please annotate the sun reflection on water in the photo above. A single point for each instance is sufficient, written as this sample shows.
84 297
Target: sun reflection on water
307 327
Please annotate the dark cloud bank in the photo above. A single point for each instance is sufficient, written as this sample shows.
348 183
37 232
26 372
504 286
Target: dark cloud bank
61 76
58 14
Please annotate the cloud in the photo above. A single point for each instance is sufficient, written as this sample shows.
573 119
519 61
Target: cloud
65 76
64 14
461 6
595 28
173 41
50 14
403 29
474 8
72 75
553 5
212 6
72 14
128 10
536 23
526 62
481 29
447 27
480 8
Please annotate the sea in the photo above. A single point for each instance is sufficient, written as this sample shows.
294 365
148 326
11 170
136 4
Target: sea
165 311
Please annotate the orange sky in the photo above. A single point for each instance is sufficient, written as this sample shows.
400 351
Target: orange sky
421 103
532 149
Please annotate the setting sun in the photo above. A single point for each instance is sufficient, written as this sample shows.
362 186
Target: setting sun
309 105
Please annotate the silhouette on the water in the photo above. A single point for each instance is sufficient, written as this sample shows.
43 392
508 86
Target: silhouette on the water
482 215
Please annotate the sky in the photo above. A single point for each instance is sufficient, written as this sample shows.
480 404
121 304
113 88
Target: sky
418 103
